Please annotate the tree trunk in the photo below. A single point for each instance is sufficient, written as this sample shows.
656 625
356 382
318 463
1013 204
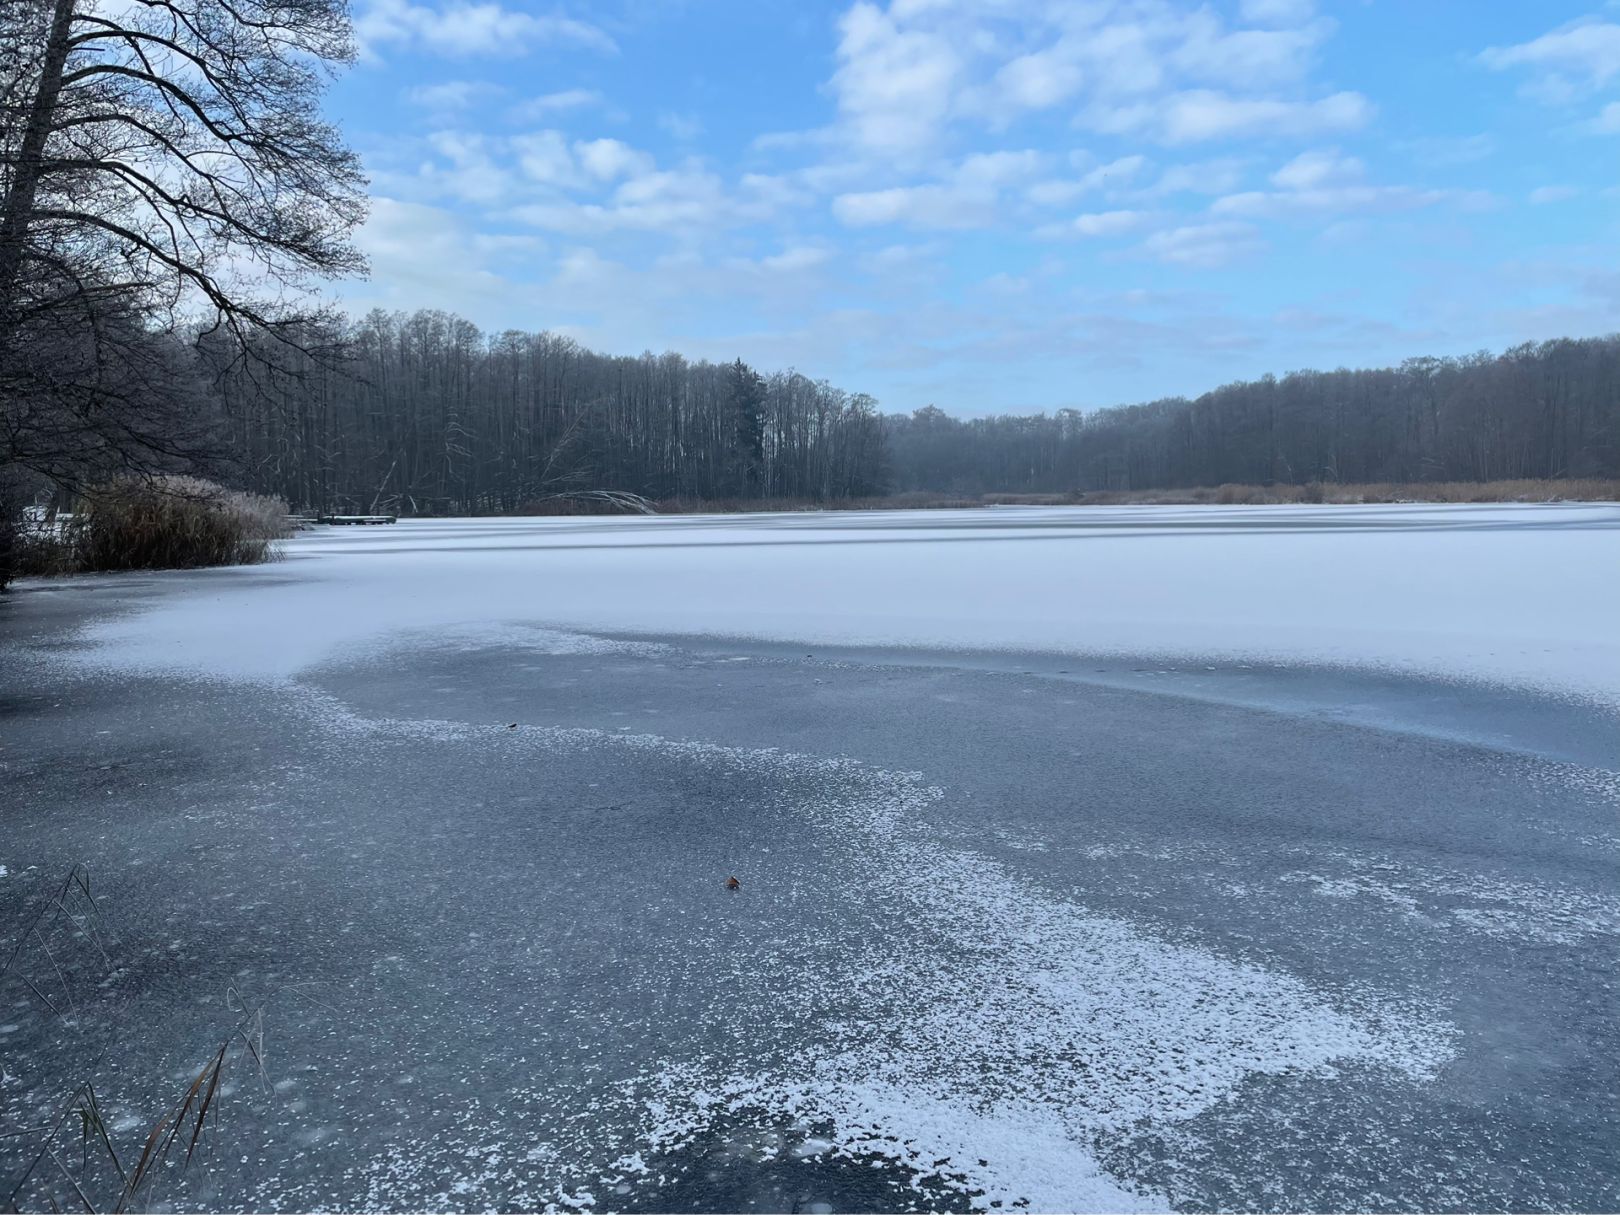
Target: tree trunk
19 204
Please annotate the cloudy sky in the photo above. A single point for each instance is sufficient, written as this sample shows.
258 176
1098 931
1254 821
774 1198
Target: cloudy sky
997 205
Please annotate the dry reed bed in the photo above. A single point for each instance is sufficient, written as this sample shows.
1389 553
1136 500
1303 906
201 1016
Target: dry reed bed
1567 490
171 522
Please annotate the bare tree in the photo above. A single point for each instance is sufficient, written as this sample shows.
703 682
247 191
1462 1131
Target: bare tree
163 168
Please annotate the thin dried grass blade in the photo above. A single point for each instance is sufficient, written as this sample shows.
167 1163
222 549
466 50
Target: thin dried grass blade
208 1099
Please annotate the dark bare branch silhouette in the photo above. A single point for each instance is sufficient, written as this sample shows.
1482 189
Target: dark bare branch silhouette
164 172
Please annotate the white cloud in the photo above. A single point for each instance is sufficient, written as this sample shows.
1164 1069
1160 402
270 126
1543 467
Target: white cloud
1357 197
799 257
1325 181
1125 58
775 192
472 174
1449 149
913 76
1040 79
547 104
545 158
1204 114
1566 65
669 301
1583 53
964 197
998 168
1552 194
451 95
1002 283
910 71
1318 168
425 256
488 169
670 197
686 203
1201 115
1106 223
1277 12
1203 246
1111 178
1219 176
684 127
1017 58
1608 120
606 159
1246 58
461 29
601 186
893 85
926 206
1054 193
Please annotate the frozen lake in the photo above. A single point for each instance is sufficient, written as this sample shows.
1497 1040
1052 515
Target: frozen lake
1522 594
1098 859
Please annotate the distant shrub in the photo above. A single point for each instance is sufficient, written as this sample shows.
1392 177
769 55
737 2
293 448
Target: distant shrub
173 523
43 551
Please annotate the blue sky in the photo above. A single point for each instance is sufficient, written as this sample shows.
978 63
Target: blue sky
997 205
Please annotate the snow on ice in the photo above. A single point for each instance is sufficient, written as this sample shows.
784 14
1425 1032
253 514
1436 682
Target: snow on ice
1520 594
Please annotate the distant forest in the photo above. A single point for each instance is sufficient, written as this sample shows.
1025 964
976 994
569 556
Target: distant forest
426 415
423 413
1542 410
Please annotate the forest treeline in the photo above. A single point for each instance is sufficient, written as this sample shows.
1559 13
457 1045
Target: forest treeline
1539 410
422 413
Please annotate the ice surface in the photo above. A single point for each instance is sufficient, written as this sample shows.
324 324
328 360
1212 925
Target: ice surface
1006 1032
1520 594
1017 1025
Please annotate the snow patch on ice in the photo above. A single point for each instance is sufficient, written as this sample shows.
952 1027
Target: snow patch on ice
1598 784
1011 1155
991 1059
1505 909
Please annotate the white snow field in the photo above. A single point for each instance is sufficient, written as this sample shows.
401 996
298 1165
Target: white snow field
1525 595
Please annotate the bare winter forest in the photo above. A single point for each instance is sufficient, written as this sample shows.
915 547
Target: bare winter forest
155 322
425 414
